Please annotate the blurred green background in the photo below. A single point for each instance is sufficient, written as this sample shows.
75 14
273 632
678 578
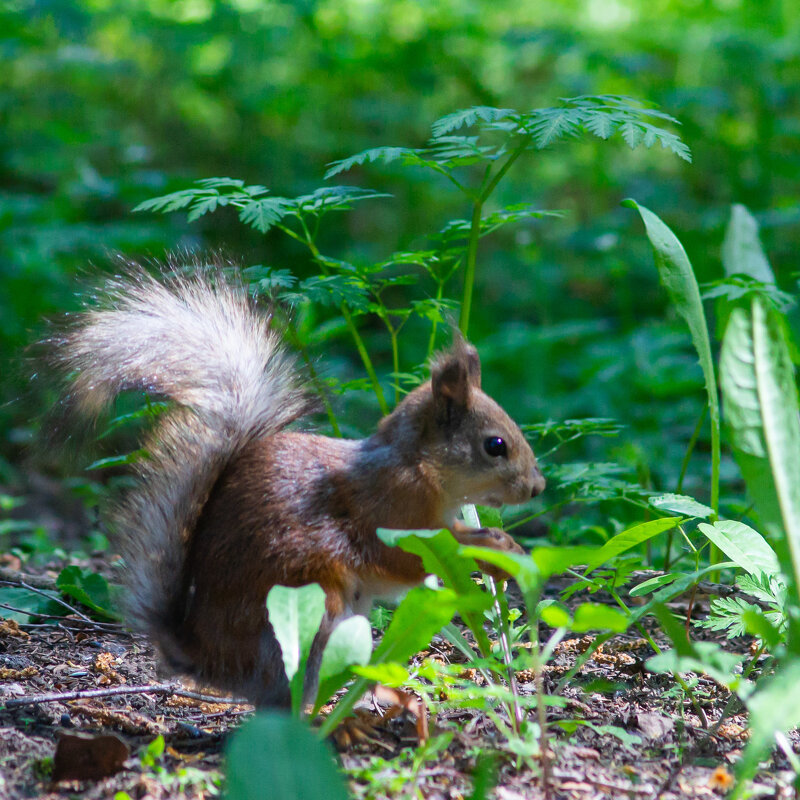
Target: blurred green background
106 103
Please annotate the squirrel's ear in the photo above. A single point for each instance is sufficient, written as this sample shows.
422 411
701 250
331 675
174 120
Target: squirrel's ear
454 375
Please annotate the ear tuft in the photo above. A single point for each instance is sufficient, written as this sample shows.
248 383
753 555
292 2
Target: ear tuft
454 374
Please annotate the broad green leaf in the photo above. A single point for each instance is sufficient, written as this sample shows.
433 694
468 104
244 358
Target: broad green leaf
350 643
595 616
554 615
774 707
518 566
761 409
748 548
277 756
742 253
756 623
630 538
89 588
295 615
555 560
422 613
677 275
440 554
391 674
681 504
24 605
651 584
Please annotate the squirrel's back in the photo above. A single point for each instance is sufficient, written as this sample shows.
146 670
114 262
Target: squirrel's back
200 341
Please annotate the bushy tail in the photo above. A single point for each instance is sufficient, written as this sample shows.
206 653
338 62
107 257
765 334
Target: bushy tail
199 341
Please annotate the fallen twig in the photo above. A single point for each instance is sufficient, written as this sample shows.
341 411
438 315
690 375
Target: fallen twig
151 688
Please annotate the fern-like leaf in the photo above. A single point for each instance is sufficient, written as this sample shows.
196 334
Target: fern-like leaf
262 214
468 117
384 154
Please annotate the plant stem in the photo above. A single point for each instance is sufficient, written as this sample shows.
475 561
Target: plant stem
395 363
298 344
679 488
351 326
434 323
475 231
505 646
469 275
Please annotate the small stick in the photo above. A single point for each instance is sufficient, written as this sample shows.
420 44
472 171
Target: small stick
152 688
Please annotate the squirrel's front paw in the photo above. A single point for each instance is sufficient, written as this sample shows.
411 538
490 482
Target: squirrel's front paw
495 539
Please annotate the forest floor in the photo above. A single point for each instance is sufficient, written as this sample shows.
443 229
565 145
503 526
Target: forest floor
659 747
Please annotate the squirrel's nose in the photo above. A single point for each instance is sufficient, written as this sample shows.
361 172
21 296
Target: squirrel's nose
538 482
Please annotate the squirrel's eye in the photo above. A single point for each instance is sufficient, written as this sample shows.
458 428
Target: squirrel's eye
495 446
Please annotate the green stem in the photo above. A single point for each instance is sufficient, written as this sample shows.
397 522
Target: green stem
299 345
679 487
434 323
351 326
395 363
469 275
365 359
475 231
714 554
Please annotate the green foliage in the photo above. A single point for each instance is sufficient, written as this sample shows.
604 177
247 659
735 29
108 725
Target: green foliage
677 275
280 752
90 589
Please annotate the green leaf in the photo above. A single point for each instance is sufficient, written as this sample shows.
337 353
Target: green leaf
678 277
651 584
391 674
385 154
630 538
519 566
119 461
28 603
706 658
774 707
264 213
350 643
89 588
596 616
742 253
441 556
555 560
756 623
681 504
748 548
277 756
761 410
468 117
295 615
554 615
422 613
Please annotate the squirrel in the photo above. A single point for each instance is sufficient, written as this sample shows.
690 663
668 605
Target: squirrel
229 502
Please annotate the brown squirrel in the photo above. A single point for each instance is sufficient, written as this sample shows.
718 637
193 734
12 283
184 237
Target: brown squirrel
229 503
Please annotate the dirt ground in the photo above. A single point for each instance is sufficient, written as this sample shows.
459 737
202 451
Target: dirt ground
662 750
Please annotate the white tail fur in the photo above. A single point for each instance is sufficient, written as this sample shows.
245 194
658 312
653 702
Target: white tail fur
201 342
